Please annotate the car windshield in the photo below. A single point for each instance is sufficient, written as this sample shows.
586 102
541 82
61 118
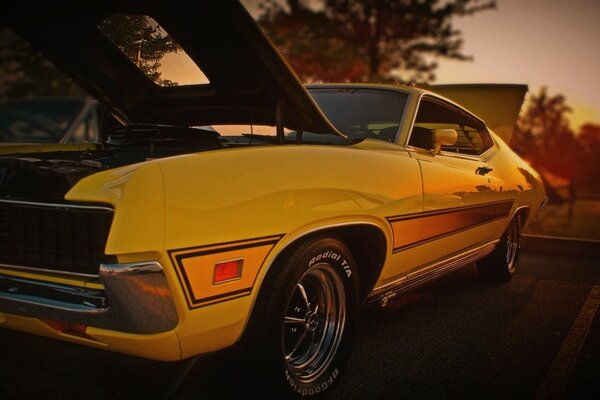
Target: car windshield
36 120
362 113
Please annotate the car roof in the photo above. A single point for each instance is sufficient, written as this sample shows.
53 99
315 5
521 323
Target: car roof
496 104
376 86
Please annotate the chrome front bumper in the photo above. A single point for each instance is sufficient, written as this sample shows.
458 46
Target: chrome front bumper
135 299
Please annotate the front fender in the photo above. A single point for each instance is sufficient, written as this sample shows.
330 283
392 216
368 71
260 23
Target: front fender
137 195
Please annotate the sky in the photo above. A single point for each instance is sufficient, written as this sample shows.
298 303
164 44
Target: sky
539 42
555 43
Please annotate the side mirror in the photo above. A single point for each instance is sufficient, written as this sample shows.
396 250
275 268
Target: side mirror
443 137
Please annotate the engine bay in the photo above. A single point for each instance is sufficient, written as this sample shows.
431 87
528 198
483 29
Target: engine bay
48 176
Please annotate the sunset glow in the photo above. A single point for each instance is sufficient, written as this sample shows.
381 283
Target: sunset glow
537 42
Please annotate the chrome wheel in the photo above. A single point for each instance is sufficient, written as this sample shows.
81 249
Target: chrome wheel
314 322
302 327
501 264
512 245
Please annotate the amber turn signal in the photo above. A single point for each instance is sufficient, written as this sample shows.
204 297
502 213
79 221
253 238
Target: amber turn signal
228 271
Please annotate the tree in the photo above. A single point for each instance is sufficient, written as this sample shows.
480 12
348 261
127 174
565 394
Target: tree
25 72
543 134
589 139
367 40
544 137
545 122
143 41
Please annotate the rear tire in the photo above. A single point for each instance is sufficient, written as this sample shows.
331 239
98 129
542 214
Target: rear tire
501 264
302 327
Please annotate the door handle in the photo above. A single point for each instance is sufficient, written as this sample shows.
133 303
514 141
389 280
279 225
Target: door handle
483 170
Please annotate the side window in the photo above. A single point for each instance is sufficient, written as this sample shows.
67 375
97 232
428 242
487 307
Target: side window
473 137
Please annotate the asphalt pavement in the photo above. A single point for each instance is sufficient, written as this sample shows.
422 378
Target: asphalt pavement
535 337
577 220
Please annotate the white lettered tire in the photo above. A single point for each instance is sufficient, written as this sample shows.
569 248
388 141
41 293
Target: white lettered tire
302 326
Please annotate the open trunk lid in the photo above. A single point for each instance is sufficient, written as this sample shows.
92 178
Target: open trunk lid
498 105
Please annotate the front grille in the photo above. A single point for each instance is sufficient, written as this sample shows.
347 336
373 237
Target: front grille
27 184
55 237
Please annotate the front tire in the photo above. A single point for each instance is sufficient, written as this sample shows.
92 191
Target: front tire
302 326
501 264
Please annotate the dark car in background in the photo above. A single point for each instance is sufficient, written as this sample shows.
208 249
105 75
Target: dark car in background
59 120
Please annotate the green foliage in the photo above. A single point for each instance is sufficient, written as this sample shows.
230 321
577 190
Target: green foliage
589 139
143 41
367 40
545 138
25 72
546 118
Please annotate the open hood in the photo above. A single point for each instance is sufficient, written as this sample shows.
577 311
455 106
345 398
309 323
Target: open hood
250 83
498 105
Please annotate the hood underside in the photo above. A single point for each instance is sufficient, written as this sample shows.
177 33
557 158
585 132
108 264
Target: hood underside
250 83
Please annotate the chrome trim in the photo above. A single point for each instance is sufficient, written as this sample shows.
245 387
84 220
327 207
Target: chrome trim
141 294
55 205
57 296
515 213
387 233
544 203
313 329
321 228
136 299
412 122
513 240
51 271
410 147
401 123
494 147
426 92
337 226
237 278
130 269
430 272
469 157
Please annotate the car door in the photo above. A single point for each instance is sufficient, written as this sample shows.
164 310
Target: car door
459 199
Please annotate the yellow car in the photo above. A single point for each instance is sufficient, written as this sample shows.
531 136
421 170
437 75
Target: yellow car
177 238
